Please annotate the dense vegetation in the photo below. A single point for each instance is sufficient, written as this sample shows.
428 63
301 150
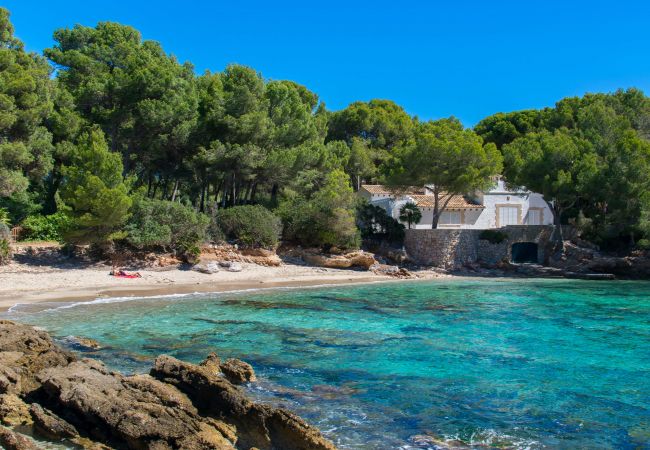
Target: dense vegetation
590 155
107 138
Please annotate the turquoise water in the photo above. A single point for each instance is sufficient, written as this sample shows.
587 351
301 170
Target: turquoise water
506 363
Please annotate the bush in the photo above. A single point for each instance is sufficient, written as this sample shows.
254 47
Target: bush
493 236
166 225
326 219
375 223
45 228
5 248
643 244
4 216
250 225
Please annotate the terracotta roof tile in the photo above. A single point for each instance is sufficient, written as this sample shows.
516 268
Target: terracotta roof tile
400 190
456 202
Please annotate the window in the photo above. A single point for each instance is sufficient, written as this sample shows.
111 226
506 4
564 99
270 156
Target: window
450 218
534 217
508 215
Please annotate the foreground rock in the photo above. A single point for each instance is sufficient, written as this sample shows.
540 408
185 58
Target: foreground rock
11 440
259 426
178 406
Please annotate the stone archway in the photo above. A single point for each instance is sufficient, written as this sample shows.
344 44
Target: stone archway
524 252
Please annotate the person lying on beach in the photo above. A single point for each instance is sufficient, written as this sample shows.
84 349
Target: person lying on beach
122 274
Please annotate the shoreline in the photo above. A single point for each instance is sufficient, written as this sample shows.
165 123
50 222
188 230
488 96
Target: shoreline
27 284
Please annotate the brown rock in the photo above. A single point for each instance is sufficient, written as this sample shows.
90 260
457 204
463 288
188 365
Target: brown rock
49 425
13 411
25 351
238 371
361 259
10 440
354 259
212 363
135 412
182 405
258 426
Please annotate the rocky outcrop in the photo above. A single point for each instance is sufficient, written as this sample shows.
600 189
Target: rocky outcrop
237 371
226 252
24 352
10 440
360 259
14 411
391 271
259 426
178 405
50 426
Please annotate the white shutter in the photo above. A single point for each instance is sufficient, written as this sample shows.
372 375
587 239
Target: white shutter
508 215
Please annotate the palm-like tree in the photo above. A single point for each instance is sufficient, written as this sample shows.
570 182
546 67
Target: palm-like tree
410 214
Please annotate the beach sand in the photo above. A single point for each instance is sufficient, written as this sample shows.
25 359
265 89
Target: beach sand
28 283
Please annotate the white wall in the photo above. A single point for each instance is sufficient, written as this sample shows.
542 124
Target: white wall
474 218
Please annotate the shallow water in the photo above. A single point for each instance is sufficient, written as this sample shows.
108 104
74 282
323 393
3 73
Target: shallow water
501 364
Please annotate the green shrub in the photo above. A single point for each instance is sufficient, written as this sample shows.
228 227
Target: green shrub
45 228
493 236
643 244
250 225
5 248
375 223
4 216
166 225
326 219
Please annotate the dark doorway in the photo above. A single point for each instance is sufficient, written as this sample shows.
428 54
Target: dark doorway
524 252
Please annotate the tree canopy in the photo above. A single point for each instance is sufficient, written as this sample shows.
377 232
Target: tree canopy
107 133
446 156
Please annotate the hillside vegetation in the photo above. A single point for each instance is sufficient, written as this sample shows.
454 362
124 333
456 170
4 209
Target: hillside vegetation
107 138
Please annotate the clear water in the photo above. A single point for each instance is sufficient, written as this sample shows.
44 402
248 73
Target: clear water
494 364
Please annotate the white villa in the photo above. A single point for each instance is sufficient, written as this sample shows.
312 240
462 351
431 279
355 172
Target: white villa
494 208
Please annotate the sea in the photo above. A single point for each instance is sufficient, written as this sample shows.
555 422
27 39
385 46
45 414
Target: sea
462 363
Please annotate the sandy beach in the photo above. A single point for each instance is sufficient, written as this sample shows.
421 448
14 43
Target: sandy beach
28 283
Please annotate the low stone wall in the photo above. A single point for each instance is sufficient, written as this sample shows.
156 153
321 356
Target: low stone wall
452 249
442 247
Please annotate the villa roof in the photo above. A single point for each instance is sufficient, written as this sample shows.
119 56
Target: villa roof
379 189
456 202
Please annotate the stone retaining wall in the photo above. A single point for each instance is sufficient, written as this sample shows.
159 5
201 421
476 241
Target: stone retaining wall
452 249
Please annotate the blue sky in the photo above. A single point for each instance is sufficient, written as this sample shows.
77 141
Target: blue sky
437 58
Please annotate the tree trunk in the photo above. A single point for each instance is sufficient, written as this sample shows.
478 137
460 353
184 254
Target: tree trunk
150 182
253 191
274 194
557 237
234 190
224 195
436 210
175 191
202 206
248 190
